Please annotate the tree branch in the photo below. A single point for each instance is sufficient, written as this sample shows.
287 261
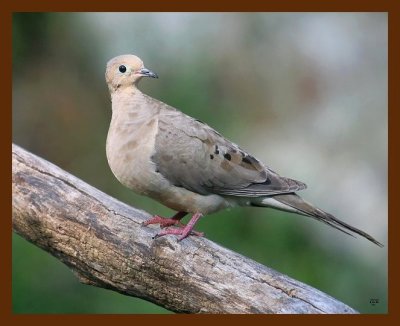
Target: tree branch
103 242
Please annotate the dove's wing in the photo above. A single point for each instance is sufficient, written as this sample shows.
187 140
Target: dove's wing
192 155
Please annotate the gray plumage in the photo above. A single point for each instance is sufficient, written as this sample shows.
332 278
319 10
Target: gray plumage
192 155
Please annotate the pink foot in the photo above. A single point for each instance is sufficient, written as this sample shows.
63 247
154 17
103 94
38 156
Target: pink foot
164 222
183 231
178 231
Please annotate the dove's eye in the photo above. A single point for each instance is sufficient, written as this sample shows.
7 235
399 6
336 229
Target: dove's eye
122 68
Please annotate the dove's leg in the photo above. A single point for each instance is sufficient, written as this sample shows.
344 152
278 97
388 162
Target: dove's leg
164 222
183 231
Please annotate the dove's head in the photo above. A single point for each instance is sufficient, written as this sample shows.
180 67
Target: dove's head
125 71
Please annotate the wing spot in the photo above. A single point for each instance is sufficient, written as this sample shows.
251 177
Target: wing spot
246 160
211 156
227 156
216 150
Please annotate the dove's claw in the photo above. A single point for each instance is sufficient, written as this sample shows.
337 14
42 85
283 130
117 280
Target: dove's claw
178 231
183 230
164 222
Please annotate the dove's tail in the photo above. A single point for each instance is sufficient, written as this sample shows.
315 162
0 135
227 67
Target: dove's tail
294 203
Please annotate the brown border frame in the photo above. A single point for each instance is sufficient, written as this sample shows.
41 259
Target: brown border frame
205 6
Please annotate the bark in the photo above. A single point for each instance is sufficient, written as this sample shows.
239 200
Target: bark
103 242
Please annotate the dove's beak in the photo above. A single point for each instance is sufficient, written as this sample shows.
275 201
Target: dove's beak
147 73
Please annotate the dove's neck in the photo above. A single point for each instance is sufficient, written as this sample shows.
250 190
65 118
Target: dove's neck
131 100
125 96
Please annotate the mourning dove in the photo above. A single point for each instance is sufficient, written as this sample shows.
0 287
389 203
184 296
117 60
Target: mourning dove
158 151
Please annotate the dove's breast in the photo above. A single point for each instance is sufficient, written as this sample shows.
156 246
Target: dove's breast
130 144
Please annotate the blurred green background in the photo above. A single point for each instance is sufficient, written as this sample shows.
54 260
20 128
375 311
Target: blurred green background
306 93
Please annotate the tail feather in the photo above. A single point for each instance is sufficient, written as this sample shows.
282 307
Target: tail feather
293 202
